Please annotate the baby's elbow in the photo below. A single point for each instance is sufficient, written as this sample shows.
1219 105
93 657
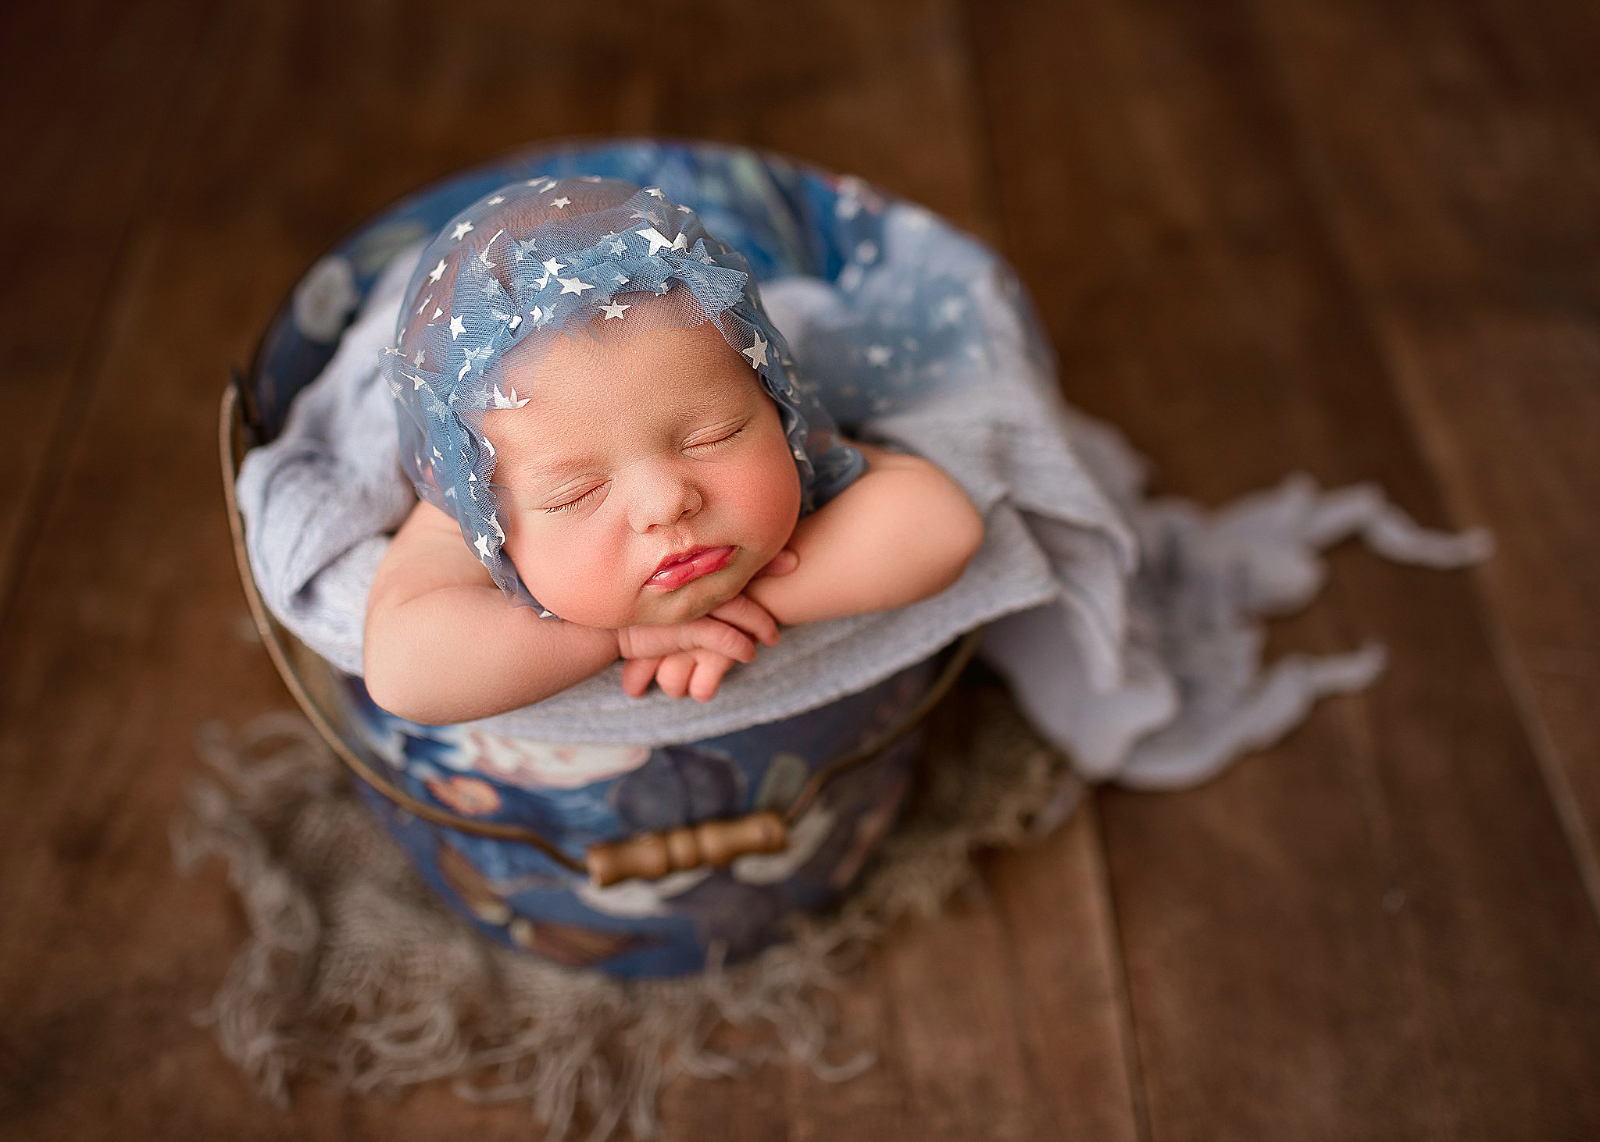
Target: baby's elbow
385 685
390 676
953 531
961 535
948 534
389 697
394 693
969 533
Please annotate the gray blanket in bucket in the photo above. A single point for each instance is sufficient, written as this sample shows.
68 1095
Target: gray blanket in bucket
1128 627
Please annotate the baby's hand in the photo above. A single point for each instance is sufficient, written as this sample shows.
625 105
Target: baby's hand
732 630
692 673
691 658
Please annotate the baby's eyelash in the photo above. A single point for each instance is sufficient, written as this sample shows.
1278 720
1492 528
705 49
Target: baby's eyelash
718 440
570 504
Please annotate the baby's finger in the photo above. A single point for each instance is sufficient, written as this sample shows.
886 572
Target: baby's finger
673 674
636 675
714 634
750 617
707 676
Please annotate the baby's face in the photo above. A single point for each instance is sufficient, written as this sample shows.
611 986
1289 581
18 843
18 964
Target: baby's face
646 480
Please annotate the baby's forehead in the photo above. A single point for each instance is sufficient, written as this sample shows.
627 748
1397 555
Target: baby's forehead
699 343
668 377
665 361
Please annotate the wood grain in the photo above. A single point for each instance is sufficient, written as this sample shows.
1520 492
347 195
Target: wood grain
1342 235
1318 943
82 140
1473 238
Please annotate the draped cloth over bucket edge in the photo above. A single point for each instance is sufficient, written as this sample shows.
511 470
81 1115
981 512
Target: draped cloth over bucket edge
1127 625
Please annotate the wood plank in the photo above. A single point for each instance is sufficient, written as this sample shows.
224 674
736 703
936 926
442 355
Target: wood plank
1377 928
875 1104
1072 1006
82 142
957 1040
875 90
1487 314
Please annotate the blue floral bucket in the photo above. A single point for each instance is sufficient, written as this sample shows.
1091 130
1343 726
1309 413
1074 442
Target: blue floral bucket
637 860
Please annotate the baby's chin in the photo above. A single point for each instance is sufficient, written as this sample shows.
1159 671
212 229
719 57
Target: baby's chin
691 601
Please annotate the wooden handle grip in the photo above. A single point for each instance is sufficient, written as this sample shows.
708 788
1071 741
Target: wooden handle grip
715 843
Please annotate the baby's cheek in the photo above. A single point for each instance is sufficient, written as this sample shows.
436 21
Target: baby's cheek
767 496
568 576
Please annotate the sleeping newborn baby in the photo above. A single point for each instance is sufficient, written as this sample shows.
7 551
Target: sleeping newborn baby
614 458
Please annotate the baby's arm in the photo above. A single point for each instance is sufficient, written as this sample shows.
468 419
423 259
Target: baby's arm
903 531
443 644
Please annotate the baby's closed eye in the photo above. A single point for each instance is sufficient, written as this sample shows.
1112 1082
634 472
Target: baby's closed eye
713 435
569 498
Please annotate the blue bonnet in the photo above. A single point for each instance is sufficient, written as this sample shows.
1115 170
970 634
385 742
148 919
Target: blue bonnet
546 257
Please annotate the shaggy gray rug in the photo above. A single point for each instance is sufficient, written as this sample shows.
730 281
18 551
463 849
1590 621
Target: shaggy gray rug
353 973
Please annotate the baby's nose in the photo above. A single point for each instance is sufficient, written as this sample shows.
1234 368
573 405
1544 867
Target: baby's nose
663 499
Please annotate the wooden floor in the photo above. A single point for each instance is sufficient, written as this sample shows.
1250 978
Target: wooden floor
1360 237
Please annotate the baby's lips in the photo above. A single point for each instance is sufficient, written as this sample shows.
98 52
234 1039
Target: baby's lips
674 573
